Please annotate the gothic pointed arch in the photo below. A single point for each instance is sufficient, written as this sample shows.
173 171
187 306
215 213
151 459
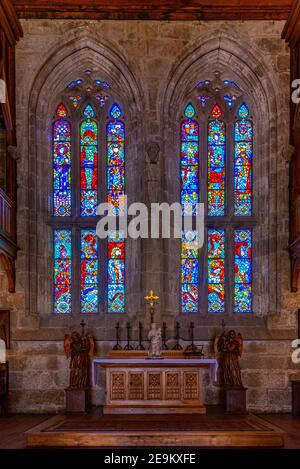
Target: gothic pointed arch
257 86
84 72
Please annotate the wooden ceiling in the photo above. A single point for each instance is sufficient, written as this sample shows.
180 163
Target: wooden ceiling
155 9
9 23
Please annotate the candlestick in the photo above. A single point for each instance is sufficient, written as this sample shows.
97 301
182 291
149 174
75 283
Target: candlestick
117 346
128 346
177 346
192 347
140 345
164 337
82 327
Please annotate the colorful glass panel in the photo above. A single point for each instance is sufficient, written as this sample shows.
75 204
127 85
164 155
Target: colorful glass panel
202 83
88 271
102 83
216 164
189 163
62 281
61 157
204 98
230 83
115 195
88 164
89 111
74 83
216 270
189 199
229 100
189 111
75 99
189 272
61 111
243 150
216 111
242 271
101 98
115 111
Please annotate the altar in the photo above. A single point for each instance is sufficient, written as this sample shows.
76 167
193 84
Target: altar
139 385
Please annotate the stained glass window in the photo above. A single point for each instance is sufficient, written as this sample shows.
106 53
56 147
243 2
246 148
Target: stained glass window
226 156
61 148
75 99
102 98
62 248
216 164
102 83
89 271
189 272
74 83
189 197
229 100
61 111
242 271
189 161
88 163
116 191
204 98
216 270
243 138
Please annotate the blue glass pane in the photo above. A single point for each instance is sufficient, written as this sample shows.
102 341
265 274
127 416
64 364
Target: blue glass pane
115 111
189 298
61 157
242 270
116 298
243 150
89 271
115 198
62 247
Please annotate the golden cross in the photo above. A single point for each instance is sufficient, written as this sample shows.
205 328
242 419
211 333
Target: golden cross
151 298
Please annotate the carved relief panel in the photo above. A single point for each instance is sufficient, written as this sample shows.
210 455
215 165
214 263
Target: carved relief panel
154 389
154 386
117 386
136 386
190 385
173 385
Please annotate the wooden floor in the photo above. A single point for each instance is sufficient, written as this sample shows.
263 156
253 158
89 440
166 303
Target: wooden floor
14 427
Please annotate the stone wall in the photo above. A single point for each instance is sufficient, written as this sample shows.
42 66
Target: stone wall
153 65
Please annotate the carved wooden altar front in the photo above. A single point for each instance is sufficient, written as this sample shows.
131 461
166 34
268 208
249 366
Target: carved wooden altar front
141 385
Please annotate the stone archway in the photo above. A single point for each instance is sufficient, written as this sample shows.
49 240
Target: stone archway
257 78
80 53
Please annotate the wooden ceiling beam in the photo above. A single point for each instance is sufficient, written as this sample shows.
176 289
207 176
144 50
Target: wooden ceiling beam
9 22
155 9
291 31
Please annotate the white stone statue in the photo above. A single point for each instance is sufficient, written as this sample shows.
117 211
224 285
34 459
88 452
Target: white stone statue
156 342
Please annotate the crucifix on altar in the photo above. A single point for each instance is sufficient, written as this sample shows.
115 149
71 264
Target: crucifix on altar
157 380
151 298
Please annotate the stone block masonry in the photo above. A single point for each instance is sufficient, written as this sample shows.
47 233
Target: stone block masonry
156 64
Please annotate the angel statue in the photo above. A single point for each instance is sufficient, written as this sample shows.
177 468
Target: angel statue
80 348
155 341
229 346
